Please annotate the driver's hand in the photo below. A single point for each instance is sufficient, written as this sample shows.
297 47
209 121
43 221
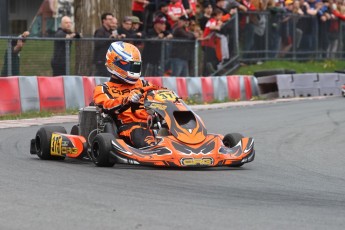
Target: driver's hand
134 96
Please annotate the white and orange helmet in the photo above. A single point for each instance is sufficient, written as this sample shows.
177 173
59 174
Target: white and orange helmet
124 61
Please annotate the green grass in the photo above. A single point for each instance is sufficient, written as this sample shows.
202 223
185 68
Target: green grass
35 57
327 66
36 114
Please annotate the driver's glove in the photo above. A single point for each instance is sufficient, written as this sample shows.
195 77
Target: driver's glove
134 96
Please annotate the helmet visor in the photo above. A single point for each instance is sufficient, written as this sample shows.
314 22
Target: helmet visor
132 66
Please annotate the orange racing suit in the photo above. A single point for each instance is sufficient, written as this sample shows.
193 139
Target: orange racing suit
132 124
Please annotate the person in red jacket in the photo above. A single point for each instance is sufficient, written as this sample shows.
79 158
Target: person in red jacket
119 96
176 10
138 8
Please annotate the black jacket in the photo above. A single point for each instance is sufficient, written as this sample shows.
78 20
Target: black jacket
101 47
59 55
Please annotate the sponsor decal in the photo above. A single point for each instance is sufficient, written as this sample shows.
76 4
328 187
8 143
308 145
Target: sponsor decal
196 161
58 147
158 106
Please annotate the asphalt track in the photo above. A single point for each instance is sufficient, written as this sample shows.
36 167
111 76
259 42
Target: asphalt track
295 182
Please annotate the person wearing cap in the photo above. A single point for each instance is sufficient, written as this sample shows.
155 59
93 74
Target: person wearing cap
136 26
125 30
181 53
152 48
163 10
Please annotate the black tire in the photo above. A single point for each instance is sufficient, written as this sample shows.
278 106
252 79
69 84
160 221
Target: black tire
100 149
75 130
42 142
111 129
230 140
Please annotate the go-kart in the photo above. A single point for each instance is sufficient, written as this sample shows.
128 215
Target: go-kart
343 90
181 139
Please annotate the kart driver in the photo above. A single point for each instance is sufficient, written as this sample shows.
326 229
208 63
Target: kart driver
121 95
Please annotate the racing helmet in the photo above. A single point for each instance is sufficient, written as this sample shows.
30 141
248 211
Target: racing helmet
123 60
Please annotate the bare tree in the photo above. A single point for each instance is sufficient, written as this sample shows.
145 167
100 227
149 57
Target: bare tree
87 20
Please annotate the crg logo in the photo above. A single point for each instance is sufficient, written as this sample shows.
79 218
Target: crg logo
196 161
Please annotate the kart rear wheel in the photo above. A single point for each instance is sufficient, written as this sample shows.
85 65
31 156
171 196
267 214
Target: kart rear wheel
100 149
43 139
230 140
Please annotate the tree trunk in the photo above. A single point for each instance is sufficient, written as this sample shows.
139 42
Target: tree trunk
87 19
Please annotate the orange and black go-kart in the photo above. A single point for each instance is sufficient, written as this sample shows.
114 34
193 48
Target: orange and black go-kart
181 139
343 90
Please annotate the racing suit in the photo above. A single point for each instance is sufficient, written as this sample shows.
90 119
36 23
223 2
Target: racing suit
131 122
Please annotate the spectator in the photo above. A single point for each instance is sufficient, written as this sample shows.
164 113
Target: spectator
163 11
149 11
138 8
206 15
324 13
289 38
113 28
58 61
260 20
227 5
137 33
334 28
136 26
101 46
181 52
209 42
194 27
176 10
16 47
307 24
247 23
125 29
154 66
190 6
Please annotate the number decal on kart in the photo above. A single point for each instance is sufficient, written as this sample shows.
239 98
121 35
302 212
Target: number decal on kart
56 144
165 96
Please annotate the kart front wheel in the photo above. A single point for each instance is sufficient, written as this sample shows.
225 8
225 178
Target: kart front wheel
43 139
100 150
231 140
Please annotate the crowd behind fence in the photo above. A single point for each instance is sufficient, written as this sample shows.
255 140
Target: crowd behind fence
272 36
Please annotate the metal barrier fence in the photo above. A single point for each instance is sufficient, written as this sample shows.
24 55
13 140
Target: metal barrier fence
160 56
275 35
270 36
